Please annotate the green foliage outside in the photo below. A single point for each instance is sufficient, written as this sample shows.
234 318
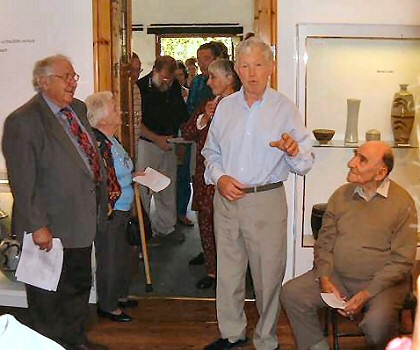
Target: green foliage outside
183 48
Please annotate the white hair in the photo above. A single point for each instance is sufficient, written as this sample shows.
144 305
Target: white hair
44 68
249 44
97 106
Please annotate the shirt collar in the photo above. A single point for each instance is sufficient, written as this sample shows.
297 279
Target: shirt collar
258 103
382 190
54 108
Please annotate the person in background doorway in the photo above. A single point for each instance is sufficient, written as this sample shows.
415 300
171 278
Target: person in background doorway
163 111
199 90
183 153
199 93
192 69
223 49
181 75
223 81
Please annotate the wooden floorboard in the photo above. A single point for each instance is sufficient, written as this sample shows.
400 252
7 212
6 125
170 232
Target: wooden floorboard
167 324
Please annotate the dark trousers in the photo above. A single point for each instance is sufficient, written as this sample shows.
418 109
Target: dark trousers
62 315
183 180
113 262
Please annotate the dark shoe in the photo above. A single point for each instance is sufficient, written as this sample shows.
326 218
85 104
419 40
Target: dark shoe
223 344
206 282
89 346
185 221
198 260
128 304
122 317
175 237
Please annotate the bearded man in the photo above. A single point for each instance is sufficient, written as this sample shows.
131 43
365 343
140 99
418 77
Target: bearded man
163 111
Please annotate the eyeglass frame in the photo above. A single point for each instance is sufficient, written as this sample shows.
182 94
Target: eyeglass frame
68 77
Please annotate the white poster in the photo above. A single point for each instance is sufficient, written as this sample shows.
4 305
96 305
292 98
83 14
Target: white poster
34 29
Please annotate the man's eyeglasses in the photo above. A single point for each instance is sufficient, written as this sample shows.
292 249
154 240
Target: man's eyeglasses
68 77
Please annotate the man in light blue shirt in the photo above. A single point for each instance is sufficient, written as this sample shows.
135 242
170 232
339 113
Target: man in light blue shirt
256 138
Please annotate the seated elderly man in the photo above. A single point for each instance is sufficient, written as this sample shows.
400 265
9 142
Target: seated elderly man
364 253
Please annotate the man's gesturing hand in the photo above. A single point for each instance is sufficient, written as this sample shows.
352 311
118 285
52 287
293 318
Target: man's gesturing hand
230 188
287 144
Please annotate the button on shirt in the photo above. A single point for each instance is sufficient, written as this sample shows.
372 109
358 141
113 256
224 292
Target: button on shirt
238 140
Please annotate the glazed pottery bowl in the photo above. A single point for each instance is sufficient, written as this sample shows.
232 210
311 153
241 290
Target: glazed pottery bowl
323 135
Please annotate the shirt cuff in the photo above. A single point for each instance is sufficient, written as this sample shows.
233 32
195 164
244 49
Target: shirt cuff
215 175
199 126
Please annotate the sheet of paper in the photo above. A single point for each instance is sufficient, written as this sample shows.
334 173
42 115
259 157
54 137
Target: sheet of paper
178 140
333 301
40 268
153 179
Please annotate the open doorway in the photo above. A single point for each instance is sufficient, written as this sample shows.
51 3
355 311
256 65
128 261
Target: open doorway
185 46
178 29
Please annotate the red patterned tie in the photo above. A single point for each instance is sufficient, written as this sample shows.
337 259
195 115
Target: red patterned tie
83 140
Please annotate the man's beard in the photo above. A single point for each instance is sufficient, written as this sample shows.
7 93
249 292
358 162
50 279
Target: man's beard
162 86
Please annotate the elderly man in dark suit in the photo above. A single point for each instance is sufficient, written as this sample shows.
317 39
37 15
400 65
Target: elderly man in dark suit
59 188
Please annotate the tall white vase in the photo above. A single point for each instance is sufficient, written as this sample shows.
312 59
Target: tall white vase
353 105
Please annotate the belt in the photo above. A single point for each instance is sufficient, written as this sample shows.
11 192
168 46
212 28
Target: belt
263 188
144 139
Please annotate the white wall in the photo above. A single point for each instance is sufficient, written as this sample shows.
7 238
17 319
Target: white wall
148 12
29 31
293 12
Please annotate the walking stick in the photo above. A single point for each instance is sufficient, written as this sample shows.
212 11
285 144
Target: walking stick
149 287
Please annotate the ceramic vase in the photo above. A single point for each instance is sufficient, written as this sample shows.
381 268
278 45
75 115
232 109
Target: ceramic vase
353 105
402 115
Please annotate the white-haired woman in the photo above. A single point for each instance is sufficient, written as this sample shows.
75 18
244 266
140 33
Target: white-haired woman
223 81
112 249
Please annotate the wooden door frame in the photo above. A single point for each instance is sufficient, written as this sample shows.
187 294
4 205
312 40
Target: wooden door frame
112 52
112 72
265 26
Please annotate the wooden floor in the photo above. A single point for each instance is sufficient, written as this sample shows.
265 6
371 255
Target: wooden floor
167 324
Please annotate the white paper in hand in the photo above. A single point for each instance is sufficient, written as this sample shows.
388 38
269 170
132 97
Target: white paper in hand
333 301
153 179
40 268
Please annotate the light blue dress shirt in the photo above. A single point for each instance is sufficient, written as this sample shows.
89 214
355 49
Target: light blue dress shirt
238 140
123 169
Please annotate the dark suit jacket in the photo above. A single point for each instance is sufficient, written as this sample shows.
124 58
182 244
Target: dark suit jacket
50 183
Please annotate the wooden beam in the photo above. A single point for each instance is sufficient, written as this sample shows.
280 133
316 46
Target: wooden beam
102 44
265 26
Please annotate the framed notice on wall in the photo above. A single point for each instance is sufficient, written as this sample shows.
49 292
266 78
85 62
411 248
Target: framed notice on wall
34 29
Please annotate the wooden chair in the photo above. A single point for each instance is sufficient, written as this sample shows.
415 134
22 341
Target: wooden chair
410 304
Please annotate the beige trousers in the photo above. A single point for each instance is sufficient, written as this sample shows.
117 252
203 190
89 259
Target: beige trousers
150 155
250 230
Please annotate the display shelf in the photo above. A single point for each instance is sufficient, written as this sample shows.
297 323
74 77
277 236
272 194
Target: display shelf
342 144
